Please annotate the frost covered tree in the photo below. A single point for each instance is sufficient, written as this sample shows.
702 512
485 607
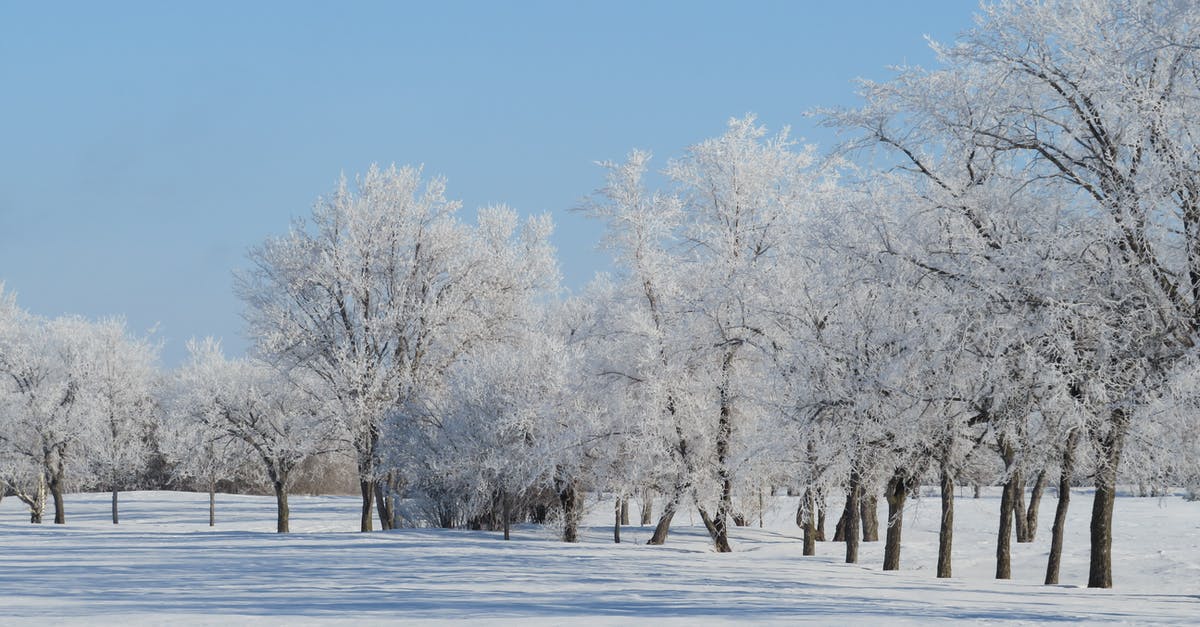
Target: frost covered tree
196 454
498 439
382 290
124 409
277 419
47 365
1092 106
20 473
700 264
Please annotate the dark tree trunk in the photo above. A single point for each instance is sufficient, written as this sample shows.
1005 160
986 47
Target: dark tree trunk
1100 566
1110 447
717 531
569 500
383 505
625 511
664 525
718 525
367 488
820 507
115 518
504 513
56 491
978 490
647 507
869 504
1004 536
946 531
212 504
1035 503
281 503
35 517
806 518
896 495
1060 512
839 530
1018 481
853 512
617 521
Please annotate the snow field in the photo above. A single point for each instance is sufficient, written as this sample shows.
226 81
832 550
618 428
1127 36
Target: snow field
163 564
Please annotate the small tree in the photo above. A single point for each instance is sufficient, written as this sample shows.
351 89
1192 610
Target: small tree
276 419
124 408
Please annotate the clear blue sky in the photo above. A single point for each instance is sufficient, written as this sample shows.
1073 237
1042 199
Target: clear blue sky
145 146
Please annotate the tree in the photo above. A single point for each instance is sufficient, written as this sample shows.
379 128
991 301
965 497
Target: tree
382 290
125 374
700 266
197 454
503 432
275 417
46 365
1091 106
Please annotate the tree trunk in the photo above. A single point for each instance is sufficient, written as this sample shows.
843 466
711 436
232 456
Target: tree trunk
367 487
717 531
1018 481
718 525
56 492
806 518
625 511
1035 502
946 531
1004 537
114 505
570 506
853 511
617 512
869 504
839 530
212 504
820 506
281 504
647 507
504 513
664 525
1060 512
1110 447
1100 567
896 495
36 501
384 505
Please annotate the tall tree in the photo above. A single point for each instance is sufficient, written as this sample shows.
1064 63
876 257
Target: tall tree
1090 105
381 290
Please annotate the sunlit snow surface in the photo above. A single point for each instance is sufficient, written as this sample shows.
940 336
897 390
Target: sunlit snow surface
164 565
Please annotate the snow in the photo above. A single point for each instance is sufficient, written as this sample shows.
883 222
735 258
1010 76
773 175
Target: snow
163 564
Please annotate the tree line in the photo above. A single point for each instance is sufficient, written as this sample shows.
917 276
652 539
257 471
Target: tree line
995 279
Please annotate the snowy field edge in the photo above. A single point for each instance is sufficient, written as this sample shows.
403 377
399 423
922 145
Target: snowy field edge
164 565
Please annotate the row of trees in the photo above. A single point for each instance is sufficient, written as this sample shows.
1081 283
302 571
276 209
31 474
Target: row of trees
996 279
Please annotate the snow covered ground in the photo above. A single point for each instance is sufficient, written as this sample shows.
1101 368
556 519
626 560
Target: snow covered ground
164 565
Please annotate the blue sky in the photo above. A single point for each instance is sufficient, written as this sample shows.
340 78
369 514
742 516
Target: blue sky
145 146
